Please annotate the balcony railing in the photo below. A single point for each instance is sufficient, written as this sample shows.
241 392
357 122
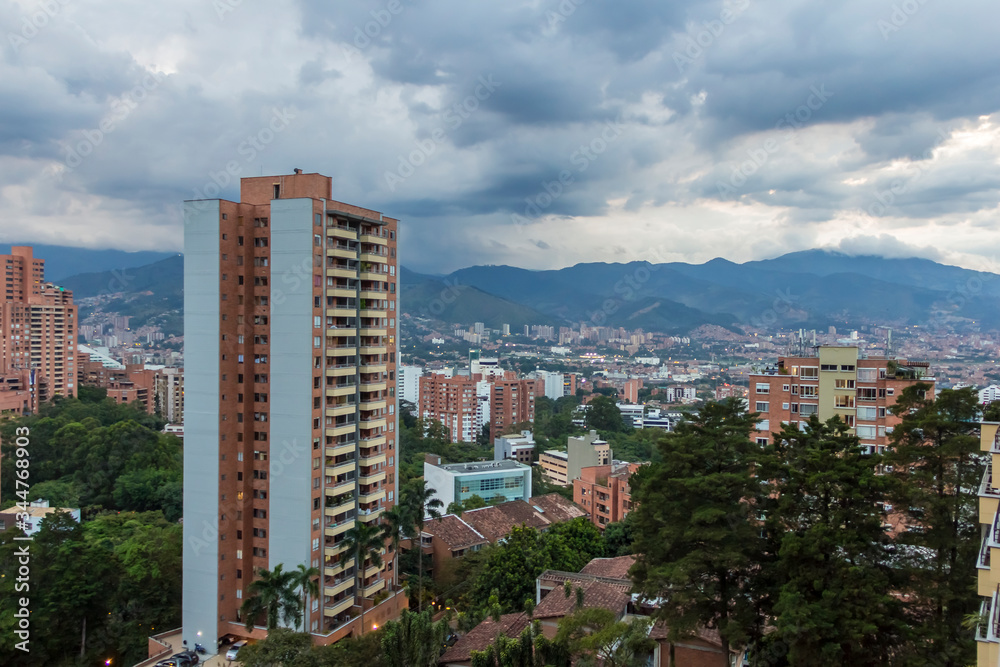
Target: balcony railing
986 487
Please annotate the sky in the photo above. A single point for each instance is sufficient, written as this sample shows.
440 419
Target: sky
538 134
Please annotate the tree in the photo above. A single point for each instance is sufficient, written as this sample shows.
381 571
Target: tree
833 601
991 413
618 537
364 542
413 640
273 594
938 467
305 579
595 634
603 415
698 543
512 566
421 502
281 647
396 524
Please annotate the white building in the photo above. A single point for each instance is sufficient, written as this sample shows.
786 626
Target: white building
408 383
989 394
489 367
516 447
457 482
555 384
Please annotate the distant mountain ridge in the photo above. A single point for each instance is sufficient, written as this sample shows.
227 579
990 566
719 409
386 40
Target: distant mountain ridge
63 261
813 288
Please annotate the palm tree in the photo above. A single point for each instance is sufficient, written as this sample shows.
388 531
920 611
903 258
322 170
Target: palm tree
419 499
395 523
304 579
364 542
272 593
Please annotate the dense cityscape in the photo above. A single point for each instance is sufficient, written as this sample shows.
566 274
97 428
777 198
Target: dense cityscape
545 333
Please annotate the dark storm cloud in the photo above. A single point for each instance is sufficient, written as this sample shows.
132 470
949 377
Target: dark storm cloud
857 99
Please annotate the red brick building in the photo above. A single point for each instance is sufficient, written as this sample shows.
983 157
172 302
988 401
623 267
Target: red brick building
835 382
38 323
604 492
512 402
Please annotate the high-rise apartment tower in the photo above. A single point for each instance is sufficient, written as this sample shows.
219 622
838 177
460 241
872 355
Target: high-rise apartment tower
37 332
291 305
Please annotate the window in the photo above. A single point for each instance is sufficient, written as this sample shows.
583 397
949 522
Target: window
866 413
784 387
867 394
809 372
805 410
809 391
847 368
277 191
828 367
795 408
763 425
784 406
843 401
761 406
763 388
866 374
865 432
762 441
843 384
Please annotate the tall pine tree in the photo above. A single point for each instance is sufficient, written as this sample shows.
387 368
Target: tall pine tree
831 599
698 540
937 464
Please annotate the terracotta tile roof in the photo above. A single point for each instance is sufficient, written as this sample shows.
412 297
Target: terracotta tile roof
612 568
595 595
709 636
556 508
497 521
482 636
453 532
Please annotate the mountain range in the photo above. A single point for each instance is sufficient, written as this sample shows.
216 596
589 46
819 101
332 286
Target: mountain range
812 288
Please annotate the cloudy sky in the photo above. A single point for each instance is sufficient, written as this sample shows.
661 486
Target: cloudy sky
535 133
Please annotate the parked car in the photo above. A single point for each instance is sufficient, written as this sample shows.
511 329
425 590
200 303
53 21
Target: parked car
235 649
191 657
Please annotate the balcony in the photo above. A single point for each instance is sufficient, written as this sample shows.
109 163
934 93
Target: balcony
341 272
339 508
339 586
375 385
372 497
341 311
342 448
370 238
374 588
330 552
338 528
373 349
338 430
379 367
341 468
341 370
346 486
367 516
376 459
366 331
373 478
373 423
339 607
341 409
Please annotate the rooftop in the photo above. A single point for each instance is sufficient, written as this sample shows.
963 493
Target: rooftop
596 594
556 508
483 636
454 532
485 466
498 521
612 568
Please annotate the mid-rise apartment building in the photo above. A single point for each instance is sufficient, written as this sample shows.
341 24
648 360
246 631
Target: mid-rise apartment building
409 383
512 402
37 332
604 492
453 402
291 303
836 381
581 452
